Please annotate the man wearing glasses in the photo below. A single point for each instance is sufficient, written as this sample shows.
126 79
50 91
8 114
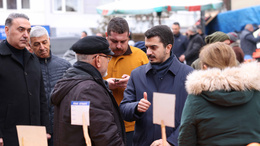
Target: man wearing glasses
83 82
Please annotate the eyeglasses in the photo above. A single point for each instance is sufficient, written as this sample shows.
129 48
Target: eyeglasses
108 57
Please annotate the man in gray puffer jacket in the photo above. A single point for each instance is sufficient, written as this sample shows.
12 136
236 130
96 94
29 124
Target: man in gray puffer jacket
52 66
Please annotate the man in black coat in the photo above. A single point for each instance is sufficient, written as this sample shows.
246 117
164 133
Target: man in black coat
22 96
84 82
193 48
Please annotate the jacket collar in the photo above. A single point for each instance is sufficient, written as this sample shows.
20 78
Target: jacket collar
6 51
240 78
174 68
45 59
128 51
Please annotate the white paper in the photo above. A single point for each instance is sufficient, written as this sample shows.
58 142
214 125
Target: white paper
164 109
77 110
32 135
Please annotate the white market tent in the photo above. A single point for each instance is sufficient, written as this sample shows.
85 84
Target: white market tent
150 6
139 7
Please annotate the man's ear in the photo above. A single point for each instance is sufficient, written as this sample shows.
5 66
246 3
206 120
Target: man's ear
98 62
7 30
168 48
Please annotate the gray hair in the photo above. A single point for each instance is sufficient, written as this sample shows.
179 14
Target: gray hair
192 29
12 16
84 57
38 31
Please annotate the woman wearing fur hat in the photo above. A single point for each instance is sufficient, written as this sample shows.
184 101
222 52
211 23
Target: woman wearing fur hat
223 105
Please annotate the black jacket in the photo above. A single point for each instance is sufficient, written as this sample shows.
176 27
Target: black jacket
83 82
22 95
193 49
53 69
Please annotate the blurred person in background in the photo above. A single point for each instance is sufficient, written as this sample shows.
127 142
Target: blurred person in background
248 41
200 32
217 36
235 46
194 46
83 34
70 55
180 41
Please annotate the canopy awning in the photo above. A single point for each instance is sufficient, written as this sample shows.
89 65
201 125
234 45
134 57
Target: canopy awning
137 7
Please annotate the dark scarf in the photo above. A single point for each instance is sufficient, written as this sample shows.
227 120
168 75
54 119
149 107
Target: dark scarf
162 68
19 54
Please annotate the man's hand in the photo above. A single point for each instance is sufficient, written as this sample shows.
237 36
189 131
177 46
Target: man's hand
182 58
143 104
1 142
122 83
48 136
159 142
114 83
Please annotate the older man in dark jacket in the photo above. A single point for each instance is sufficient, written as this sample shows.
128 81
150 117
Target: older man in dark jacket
52 66
22 96
83 82
248 41
193 48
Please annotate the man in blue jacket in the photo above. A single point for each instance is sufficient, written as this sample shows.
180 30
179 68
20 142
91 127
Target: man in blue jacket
52 66
180 41
165 74
248 41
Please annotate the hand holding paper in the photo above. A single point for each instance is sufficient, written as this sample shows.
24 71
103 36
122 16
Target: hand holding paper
143 104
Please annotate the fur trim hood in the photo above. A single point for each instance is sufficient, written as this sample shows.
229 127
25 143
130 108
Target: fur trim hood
241 78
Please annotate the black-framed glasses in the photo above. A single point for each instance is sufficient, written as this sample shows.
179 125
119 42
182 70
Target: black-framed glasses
108 57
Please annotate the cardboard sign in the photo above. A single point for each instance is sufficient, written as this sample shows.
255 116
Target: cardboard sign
78 108
164 109
32 135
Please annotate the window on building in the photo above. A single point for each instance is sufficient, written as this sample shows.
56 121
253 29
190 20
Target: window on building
15 4
11 4
1 4
66 5
25 4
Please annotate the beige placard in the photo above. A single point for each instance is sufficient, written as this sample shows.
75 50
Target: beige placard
32 135
164 109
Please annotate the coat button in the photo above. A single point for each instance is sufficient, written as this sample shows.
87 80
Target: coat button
30 93
25 73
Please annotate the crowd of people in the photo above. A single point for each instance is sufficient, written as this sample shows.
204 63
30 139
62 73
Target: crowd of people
216 91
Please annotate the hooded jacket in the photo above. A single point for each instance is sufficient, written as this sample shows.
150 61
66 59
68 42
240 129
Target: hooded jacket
83 82
223 107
